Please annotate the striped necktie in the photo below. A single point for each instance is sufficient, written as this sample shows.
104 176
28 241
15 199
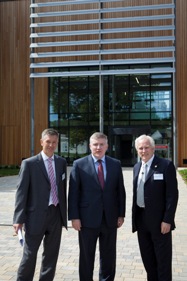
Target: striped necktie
51 174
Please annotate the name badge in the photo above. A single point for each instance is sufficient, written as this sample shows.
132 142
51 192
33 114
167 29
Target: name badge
158 176
63 176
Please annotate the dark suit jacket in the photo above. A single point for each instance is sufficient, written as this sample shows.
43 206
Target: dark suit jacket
87 200
161 195
33 190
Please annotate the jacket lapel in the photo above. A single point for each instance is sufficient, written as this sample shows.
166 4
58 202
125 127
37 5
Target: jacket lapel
136 172
41 165
153 167
109 168
92 170
58 168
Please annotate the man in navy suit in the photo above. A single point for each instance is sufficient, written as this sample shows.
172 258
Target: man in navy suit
97 209
41 209
153 209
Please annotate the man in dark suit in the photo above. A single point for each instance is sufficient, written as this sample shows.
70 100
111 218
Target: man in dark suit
153 210
97 208
41 207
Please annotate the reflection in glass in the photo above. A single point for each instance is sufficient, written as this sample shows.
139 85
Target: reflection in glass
129 100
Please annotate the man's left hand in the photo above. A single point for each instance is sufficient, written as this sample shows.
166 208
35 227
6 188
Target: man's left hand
165 227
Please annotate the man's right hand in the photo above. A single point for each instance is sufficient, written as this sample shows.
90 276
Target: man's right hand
76 224
17 226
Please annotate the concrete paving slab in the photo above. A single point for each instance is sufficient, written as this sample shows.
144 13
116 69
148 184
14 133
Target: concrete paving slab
129 264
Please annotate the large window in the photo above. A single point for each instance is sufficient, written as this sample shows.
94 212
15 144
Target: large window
129 101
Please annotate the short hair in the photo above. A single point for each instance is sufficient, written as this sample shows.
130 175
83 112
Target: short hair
98 135
144 137
49 132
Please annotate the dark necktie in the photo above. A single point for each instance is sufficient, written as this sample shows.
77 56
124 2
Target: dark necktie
51 174
101 173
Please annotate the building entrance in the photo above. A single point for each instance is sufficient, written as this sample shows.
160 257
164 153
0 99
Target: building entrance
122 143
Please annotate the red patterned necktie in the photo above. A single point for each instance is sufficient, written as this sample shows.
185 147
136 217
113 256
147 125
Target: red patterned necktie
101 173
54 196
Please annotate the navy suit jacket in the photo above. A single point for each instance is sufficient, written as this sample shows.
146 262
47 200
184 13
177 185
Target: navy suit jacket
87 201
33 191
160 194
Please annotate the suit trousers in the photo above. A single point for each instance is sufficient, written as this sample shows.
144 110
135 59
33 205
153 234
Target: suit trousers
155 249
107 250
51 236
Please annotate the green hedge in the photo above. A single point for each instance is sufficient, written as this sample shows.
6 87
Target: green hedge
11 170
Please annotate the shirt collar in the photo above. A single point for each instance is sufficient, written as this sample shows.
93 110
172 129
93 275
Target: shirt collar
149 162
45 157
95 159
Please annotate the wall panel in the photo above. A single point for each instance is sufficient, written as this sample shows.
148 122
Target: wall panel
41 110
15 83
181 79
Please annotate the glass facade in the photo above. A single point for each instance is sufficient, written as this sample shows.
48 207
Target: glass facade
133 105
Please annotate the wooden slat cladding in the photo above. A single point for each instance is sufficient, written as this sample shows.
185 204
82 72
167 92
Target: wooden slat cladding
14 82
181 79
15 124
41 110
15 121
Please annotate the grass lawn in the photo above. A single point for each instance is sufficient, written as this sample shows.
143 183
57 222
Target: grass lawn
183 174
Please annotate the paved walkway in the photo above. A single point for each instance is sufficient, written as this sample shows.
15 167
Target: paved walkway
129 265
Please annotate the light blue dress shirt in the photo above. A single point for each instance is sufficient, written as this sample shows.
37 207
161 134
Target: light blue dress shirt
96 164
